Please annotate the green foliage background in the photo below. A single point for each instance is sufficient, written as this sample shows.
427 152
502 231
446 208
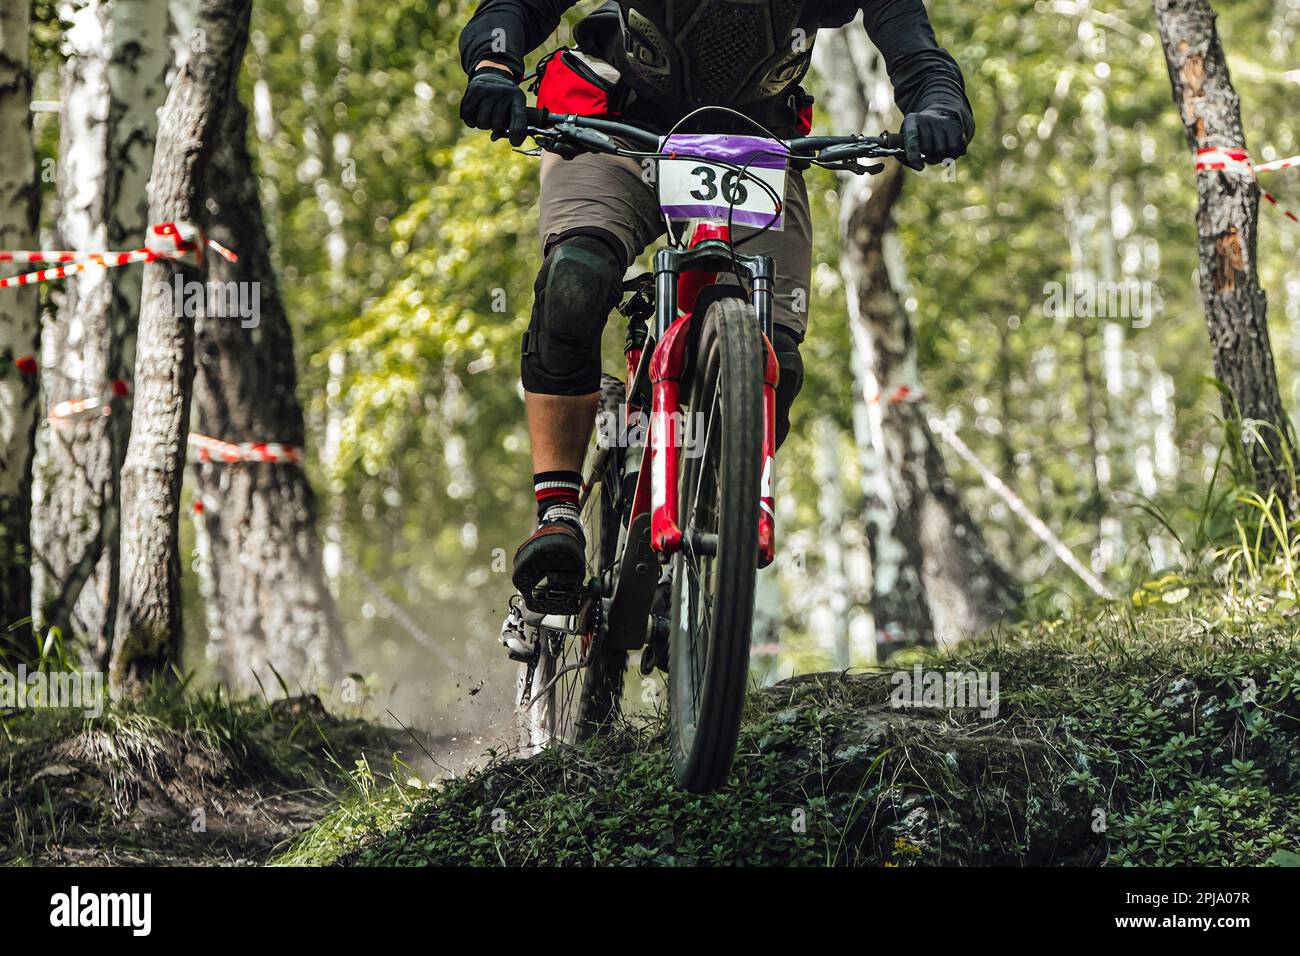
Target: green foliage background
407 246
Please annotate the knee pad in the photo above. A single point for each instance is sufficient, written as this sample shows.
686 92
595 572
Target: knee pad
580 281
786 346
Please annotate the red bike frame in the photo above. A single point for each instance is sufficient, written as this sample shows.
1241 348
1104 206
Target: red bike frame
693 270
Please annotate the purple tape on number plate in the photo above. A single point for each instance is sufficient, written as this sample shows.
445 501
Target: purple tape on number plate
757 151
765 153
739 217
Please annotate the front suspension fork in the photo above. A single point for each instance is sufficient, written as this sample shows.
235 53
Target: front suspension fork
673 289
665 464
766 504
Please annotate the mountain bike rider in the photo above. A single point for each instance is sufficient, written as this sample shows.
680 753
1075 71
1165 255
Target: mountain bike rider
650 62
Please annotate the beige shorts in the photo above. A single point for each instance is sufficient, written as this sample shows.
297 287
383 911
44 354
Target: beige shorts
609 192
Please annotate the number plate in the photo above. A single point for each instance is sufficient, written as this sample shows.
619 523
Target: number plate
693 186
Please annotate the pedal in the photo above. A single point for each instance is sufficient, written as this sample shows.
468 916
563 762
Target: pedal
559 594
520 651
518 636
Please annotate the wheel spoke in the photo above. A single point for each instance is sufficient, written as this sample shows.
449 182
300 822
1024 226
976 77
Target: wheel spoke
702 515
714 585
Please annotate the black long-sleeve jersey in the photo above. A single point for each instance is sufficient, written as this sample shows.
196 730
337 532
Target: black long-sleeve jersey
923 73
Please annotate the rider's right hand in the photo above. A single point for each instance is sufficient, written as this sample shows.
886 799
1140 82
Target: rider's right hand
494 101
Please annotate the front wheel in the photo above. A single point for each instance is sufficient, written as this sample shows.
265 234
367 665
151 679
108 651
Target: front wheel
714 573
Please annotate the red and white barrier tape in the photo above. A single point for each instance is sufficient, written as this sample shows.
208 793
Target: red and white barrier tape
76 408
901 394
1286 212
202 447
213 449
164 240
1235 160
1291 162
1224 159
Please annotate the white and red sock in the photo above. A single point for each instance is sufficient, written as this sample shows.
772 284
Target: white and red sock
557 497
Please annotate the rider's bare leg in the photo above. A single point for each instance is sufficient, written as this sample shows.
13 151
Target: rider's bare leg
549 565
559 427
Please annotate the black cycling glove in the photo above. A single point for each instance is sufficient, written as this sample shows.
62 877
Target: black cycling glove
933 135
494 101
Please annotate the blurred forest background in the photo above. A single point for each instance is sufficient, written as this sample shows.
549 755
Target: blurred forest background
405 248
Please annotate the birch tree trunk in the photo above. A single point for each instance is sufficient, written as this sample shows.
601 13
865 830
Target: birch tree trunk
1116 352
112 85
1227 219
933 578
19 327
273 611
148 631
830 511
1096 408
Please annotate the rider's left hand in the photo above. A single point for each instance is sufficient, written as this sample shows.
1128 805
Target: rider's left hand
933 135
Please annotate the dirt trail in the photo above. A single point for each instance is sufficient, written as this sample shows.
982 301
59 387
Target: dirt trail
99 797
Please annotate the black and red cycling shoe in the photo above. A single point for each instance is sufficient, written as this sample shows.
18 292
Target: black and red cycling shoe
550 569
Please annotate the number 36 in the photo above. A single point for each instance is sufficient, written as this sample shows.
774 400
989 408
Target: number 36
732 190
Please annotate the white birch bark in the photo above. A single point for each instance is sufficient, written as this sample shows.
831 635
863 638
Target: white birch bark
112 85
148 630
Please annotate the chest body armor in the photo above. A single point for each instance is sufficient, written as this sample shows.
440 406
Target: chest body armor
694 53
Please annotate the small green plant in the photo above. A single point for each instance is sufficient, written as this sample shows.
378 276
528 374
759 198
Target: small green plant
24 645
1268 540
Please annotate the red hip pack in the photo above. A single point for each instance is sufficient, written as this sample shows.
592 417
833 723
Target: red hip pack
803 108
567 83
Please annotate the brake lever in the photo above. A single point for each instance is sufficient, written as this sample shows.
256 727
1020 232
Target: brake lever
855 167
568 141
836 154
561 147
590 138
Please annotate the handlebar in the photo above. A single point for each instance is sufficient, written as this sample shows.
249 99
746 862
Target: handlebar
597 135
543 121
